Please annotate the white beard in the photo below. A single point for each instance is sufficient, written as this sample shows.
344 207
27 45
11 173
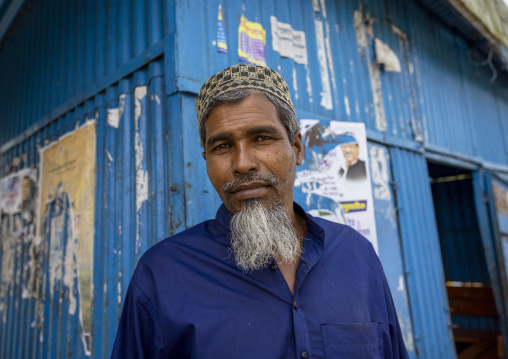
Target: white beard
259 235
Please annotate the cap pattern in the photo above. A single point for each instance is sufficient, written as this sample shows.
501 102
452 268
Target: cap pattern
242 77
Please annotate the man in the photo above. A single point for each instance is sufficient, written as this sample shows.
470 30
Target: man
263 279
355 168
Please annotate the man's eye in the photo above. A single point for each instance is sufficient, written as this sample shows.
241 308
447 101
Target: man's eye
220 147
262 138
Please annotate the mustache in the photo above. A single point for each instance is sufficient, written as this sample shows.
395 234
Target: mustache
268 178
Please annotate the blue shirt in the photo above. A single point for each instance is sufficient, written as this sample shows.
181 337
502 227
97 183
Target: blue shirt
188 299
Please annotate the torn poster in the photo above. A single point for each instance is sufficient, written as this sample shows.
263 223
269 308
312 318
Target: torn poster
222 45
12 189
66 221
17 229
386 57
288 42
334 179
251 42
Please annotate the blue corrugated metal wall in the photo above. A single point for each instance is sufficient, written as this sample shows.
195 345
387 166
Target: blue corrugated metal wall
422 257
64 62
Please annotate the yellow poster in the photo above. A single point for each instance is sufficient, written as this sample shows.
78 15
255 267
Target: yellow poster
66 218
251 42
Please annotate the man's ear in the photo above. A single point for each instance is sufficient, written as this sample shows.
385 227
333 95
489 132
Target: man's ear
204 155
297 145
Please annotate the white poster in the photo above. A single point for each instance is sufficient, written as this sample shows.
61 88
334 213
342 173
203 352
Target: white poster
288 42
334 179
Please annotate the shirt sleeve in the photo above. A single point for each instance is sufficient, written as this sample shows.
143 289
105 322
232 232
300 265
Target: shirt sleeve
397 348
139 334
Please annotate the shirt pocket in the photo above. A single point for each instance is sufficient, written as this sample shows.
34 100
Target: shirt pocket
352 340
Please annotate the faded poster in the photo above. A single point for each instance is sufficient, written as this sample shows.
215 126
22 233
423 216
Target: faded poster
66 222
251 42
334 179
17 228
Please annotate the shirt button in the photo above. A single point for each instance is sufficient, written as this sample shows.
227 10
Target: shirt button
273 267
295 305
304 355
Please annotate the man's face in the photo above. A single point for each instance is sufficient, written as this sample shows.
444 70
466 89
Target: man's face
350 152
248 154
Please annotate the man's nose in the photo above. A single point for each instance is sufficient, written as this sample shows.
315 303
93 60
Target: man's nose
245 160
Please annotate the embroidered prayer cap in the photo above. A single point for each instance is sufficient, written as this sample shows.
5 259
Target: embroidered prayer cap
242 77
346 138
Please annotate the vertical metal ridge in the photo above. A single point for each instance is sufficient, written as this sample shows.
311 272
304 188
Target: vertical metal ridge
140 24
101 180
111 237
159 162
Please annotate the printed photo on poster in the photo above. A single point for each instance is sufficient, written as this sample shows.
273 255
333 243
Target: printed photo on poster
251 42
334 179
66 220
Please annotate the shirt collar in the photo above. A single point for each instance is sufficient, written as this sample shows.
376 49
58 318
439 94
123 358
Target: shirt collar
224 218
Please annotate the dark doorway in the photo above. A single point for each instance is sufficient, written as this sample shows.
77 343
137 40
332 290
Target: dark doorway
475 320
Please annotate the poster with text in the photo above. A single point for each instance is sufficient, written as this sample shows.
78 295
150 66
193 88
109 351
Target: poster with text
251 42
66 220
334 179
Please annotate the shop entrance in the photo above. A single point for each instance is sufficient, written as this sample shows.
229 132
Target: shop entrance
475 320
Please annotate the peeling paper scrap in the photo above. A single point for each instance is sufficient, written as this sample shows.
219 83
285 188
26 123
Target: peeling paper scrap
156 98
315 5
326 94
323 8
121 105
386 56
399 32
379 173
113 117
139 94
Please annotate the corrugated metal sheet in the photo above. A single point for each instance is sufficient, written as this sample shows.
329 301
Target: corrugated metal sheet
131 189
52 63
347 62
478 22
462 111
45 99
422 256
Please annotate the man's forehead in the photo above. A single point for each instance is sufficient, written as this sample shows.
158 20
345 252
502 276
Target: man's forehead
237 120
